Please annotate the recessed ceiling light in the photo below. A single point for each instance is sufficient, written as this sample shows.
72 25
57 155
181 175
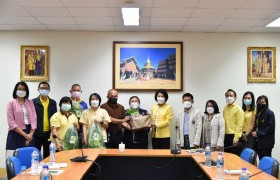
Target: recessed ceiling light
131 16
275 23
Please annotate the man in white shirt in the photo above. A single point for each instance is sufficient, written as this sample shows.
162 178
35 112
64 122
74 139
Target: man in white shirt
189 123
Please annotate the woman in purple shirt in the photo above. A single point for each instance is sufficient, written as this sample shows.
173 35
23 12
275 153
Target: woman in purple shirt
22 119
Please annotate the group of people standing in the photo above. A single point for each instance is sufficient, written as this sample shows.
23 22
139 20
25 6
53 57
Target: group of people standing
36 122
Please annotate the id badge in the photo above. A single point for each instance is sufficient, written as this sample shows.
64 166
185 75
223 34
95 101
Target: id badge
72 140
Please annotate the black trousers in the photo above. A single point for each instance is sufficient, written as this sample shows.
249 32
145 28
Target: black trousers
228 142
114 139
42 140
161 143
264 152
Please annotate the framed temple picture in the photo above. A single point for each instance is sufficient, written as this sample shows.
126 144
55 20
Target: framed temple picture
261 64
147 65
34 63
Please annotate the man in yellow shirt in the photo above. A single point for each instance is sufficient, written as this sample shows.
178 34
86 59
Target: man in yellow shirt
234 119
45 107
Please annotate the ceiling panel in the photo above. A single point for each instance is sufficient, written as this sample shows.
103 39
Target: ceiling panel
176 3
41 12
39 3
56 20
205 21
155 15
168 21
90 11
13 11
171 12
95 20
222 4
85 3
212 13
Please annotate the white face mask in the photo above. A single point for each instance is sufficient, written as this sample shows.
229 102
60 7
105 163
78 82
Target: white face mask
65 107
21 93
94 103
187 104
230 100
160 100
134 105
210 110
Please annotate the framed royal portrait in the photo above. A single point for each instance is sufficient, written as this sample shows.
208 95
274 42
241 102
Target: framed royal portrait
147 65
34 63
261 64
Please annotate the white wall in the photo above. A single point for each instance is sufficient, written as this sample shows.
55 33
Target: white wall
213 62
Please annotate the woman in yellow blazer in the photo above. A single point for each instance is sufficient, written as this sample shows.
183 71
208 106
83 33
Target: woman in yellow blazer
161 118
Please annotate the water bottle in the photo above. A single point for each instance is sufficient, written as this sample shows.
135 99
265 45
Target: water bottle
244 174
45 175
34 162
207 156
220 166
52 152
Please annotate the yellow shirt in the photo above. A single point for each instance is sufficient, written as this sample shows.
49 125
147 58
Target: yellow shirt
161 116
46 125
62 123
248 120
234 119
89 116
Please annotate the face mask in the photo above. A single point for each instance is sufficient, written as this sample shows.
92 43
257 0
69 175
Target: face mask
65 107
187 104
160 100
21 93
113 100
261 107
230 100
76 94
247 102
43 92
210 110
134 105
94 103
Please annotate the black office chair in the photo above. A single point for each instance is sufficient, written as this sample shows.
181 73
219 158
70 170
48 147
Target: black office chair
249 155
13 167
269 165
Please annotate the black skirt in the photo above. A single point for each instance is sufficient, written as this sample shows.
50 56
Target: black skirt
15 140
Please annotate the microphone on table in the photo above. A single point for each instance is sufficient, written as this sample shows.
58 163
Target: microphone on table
175 150
277 164
76 159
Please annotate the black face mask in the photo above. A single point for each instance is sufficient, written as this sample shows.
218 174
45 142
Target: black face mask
113 100
261 107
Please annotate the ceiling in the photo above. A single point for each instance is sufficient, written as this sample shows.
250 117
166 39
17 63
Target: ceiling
156 15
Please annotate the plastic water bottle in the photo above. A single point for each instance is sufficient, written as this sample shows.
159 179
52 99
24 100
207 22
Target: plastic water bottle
207 156
34 162
244 174
45 175
220 166
52 152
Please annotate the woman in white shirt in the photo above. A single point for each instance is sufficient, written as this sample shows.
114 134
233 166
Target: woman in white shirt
213 127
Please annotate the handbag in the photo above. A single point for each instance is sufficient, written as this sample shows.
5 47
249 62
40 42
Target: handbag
140 121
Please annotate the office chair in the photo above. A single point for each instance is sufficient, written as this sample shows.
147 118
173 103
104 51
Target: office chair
13 167
24 155
269 165
249 155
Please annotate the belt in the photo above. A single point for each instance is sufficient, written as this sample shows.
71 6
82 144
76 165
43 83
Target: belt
186 136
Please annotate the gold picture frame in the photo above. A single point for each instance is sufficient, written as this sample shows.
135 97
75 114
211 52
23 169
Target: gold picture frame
261 64
147 65
34 63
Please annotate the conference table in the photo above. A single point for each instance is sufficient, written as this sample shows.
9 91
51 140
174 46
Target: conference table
145 164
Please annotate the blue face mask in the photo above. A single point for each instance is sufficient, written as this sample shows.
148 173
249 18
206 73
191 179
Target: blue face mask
247 102
43 92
